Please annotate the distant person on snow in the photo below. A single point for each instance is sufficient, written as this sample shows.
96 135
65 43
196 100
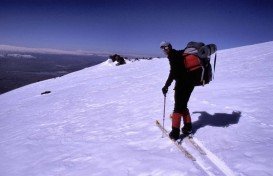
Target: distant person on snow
183 89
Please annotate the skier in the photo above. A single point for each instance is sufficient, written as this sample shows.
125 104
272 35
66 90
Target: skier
183 89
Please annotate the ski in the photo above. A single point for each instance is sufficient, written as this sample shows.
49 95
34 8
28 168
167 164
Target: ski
180 147
197 146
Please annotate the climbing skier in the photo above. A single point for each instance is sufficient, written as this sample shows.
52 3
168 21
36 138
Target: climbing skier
183 89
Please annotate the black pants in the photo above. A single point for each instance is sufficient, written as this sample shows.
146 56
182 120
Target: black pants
182 95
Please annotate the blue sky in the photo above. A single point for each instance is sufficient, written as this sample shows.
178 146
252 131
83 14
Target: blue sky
133 26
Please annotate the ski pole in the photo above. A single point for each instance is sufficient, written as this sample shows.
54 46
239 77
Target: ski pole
164 114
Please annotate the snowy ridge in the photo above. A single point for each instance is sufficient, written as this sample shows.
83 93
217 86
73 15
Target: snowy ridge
100 121
18 49
24 56
41 50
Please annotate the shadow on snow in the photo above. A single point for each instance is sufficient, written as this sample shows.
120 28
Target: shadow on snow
216 120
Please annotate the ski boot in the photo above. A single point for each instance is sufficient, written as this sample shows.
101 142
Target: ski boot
187 129
175 133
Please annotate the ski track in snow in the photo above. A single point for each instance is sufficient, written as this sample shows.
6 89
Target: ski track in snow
202 158
100 121
210 163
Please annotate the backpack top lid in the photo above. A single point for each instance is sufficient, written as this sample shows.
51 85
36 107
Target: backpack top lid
200 49
196 45
193 47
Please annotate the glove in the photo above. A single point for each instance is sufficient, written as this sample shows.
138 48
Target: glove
164 90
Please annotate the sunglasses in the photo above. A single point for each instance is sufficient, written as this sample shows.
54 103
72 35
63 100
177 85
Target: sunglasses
164 47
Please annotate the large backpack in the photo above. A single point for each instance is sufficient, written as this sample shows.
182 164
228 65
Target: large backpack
197 62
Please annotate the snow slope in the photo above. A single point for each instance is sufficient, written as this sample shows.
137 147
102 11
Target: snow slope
101 121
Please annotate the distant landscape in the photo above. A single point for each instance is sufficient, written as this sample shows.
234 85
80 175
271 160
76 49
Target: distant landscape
18 69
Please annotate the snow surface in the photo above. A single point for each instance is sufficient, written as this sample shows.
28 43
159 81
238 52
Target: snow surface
101 121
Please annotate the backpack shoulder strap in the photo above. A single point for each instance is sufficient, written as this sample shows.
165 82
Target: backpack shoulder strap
214 65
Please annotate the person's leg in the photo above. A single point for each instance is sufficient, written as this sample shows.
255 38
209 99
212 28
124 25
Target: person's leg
187 128
176 121
182 96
